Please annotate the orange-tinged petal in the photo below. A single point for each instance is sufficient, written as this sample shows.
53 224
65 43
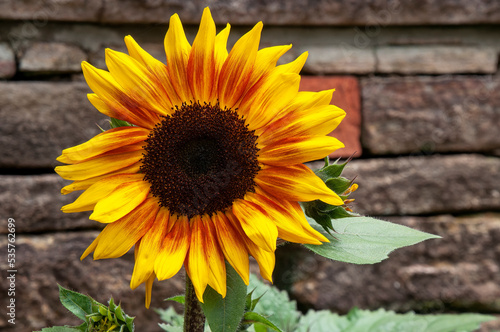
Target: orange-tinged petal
236 71
117 238
232 246
320 120
138 82
256 224
103 142
220 50
147 251
296 209
156 67
296 183
174 249
263 105
201 64
85 184
298 149
289 227
99 190
178 49
100 165
112 99
125 198
217 276
197 261
265 259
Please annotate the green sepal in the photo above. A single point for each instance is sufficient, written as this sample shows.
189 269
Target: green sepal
338 185
115 123
253 317
330 170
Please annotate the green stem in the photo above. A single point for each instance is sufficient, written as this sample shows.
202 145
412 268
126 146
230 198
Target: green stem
194 318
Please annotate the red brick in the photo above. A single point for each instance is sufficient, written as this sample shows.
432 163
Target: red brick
347 97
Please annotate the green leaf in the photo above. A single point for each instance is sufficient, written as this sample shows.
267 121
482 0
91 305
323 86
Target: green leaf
172 319
80 305
224 314
364 240
253 317
388 321
80 328
178 298
275 305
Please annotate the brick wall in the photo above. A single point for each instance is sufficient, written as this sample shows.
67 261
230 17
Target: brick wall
420 85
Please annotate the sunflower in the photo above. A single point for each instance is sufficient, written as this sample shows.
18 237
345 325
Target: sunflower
210 168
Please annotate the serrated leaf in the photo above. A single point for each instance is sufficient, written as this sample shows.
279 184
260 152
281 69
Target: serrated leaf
178 298
64 329
275 305
80 305
364 240
170 328
253 317
323 320
388 321
224 314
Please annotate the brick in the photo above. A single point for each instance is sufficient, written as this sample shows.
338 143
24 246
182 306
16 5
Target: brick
245 12
308 12
40 119
457 272
346 96
37 13
404 115
52 58
45 260
35 202
339 60
436 59
7 61
416 185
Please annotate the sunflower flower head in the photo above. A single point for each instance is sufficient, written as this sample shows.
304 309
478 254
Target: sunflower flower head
210 168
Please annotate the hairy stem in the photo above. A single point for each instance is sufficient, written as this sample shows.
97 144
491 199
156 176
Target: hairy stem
194 319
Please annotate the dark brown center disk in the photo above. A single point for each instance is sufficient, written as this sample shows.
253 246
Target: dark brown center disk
200 159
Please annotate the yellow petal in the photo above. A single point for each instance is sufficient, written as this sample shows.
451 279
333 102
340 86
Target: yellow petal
256 224
99 190
262 106
147 251
85 184
320 120
265 259
156 68
298 150
288 223
125 198
103 142
117 238
296 183
217 276
112 99
235 72
137 82
177 49
295 66
173 251
220 50
232 246
197 261
201 64
101 165
149 288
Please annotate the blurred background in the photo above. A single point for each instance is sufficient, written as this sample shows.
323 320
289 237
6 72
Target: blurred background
419 81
